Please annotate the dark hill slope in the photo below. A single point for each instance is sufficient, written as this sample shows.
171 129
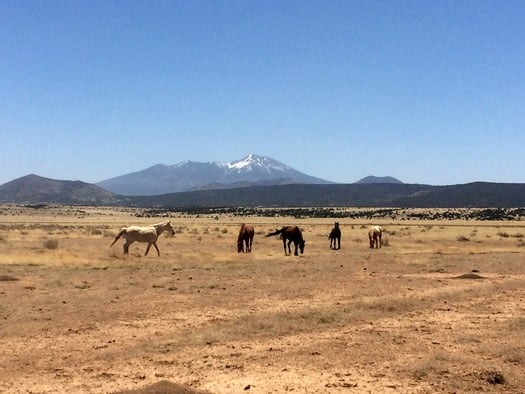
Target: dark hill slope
475 195
479 194
36 189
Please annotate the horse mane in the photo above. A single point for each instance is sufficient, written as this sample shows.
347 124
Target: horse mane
161 223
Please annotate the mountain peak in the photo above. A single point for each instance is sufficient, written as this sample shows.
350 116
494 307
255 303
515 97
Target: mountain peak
189 175
254 162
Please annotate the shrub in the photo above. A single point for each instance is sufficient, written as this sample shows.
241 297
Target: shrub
51 244
462 238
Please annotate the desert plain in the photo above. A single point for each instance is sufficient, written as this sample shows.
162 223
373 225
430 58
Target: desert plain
438 308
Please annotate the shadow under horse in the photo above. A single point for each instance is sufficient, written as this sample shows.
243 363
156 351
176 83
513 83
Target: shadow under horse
335 237
246 234
291 234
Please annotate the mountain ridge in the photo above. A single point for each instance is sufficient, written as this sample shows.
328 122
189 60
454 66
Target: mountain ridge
378 179
36 189
33 188
191 175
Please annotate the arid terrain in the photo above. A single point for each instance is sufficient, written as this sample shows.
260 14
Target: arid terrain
439 308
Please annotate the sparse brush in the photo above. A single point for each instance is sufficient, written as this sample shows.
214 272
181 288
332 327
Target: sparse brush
51 244
95 231
462 238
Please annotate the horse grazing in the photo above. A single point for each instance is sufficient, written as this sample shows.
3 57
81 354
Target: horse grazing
246 234
148 234
335 237
374 236
291 234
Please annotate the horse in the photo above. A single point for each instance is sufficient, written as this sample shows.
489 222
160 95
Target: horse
335 237
374 236
291 234
148 234
246 234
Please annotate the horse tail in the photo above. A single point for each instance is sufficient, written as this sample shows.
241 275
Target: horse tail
120 234
275 232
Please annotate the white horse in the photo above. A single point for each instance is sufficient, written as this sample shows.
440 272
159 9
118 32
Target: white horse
148 234
374 236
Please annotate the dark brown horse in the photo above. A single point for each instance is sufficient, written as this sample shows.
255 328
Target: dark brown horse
291 234
335 237
245 237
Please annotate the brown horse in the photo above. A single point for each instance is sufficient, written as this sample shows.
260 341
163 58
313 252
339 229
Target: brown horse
374 236
246 234
291 234
335 237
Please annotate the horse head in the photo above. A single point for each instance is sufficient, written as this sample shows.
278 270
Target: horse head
170 228
301 245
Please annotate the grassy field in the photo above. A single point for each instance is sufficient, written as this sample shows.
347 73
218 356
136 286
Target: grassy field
439 308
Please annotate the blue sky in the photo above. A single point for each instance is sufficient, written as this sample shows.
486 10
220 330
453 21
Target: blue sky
425 91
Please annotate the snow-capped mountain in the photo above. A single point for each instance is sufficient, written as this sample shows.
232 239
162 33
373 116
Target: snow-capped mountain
190 175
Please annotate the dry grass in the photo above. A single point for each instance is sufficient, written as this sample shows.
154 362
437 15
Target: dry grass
410 317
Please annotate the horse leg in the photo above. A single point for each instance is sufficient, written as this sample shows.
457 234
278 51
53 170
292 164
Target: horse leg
156 247
284 245
126 248
339 243
147 249
296 245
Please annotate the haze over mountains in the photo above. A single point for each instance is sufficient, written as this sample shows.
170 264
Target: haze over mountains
190 175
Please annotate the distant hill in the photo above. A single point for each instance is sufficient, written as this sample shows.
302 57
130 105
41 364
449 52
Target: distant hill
379 179
475 195
190 175
36 189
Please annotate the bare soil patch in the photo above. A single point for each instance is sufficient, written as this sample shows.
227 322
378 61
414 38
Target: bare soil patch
84 318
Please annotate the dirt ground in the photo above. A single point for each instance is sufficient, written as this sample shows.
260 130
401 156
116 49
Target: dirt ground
439 308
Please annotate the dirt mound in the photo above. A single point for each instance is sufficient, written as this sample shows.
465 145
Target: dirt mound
7 278
164 387
469 276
